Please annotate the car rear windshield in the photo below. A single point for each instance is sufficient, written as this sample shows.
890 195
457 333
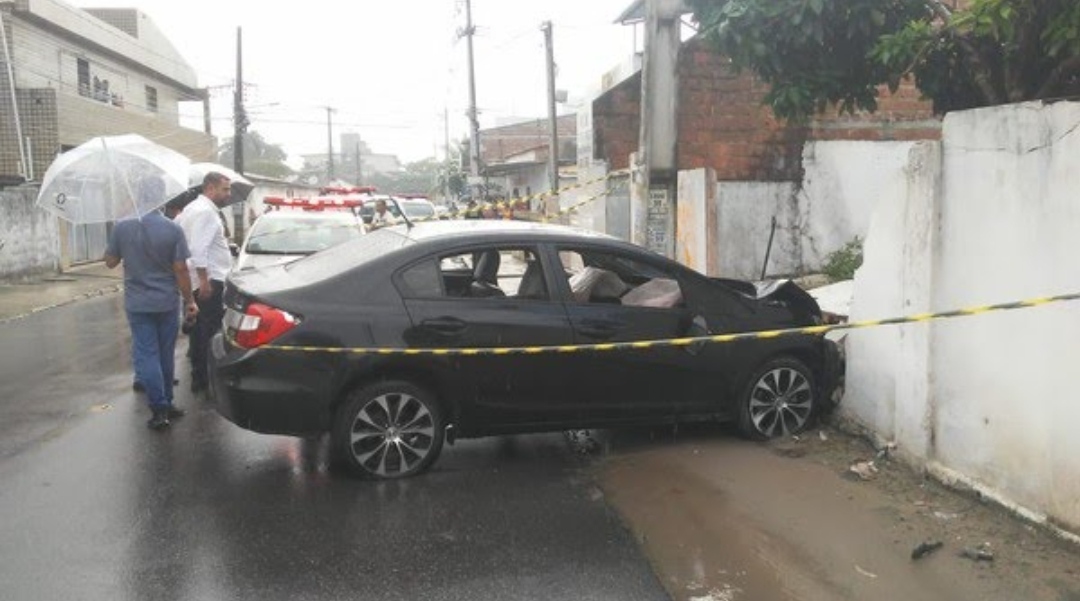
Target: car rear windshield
300 235
345 257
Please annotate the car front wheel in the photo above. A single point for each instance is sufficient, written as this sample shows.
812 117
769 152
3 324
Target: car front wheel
388 430
780 400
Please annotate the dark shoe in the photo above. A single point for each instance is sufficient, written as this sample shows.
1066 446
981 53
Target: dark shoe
137 386
175 412
159 421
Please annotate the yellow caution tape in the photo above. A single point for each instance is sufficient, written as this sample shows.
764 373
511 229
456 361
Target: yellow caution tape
679 342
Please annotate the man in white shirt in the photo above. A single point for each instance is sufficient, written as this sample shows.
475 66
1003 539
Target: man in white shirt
210 263
382 217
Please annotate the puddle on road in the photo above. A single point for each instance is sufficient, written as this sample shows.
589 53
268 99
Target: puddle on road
701 548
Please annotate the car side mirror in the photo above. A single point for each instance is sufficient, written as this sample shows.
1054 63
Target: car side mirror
698 327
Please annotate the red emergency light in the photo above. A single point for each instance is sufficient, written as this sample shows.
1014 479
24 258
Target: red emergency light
314 204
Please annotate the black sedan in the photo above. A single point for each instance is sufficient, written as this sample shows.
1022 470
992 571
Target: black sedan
330 343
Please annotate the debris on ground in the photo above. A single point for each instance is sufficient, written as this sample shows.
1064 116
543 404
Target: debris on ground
926 548
886 450
864 572
980 553
943 515
865 470
823 436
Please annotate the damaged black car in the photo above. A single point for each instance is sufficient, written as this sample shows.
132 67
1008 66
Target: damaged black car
313 346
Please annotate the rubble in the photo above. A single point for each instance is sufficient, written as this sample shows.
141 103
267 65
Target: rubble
926 548
865 470
980 553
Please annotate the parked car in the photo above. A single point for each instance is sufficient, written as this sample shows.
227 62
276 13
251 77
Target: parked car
287 234
418 209
480 284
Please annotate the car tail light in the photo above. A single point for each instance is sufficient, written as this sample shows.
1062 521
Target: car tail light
260 324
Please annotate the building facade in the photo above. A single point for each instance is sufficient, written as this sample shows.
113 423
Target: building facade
84 73
78 74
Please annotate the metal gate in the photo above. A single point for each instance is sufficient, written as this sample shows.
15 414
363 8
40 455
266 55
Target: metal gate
87 242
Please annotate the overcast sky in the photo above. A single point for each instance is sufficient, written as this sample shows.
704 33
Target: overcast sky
389 68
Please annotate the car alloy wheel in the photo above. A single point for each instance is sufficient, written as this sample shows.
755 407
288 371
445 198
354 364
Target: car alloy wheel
389 430
780 400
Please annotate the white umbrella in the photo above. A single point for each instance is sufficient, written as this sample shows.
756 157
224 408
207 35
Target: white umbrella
100 180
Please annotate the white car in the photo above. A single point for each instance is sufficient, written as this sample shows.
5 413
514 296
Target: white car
417 209
288 234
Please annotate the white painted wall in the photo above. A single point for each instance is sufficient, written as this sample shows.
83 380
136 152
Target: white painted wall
29 239
991 399
1005 383
843 183
889 372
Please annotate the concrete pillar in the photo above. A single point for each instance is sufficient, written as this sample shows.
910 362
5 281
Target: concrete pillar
696 241
653 190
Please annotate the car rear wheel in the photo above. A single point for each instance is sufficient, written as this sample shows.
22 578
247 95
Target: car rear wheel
780 400
388 430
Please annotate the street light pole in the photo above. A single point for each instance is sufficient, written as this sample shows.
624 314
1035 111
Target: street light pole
329 146
474 123
551 205
240 123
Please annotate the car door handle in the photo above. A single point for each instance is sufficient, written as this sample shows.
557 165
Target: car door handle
447 326
600 329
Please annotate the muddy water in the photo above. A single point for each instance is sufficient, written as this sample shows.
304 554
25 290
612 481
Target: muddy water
699 544
724 520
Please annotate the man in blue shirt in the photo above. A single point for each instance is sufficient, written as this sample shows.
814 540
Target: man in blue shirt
154 252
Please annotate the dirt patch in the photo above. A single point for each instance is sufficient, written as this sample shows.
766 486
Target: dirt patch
722 518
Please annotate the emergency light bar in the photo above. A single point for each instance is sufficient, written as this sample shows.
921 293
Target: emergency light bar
314 204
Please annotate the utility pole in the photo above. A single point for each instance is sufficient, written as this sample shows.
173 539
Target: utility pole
551 204
239 118
653 189
329 145
240 123
446 154
474 123
360 168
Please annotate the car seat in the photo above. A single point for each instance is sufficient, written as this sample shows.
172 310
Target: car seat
532 282
485 276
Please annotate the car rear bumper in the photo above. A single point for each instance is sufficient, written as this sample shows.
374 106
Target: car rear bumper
264 393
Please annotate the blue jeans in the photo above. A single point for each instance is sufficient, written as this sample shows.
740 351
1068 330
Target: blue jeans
153 345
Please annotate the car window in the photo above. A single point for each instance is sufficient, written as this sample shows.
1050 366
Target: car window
300 235
479 273
601 277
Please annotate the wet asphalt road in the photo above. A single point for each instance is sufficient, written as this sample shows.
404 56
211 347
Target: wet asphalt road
96 506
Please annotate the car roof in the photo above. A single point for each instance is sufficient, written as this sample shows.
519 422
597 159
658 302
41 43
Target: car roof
491 229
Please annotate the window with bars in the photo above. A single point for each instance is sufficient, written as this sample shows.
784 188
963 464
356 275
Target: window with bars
151 99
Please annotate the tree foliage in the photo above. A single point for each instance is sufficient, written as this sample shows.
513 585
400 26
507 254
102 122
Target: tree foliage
260 156
817 53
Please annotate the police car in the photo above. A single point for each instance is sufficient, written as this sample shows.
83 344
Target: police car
296 227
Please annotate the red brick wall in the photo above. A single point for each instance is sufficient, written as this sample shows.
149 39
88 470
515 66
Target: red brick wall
616 123
724 125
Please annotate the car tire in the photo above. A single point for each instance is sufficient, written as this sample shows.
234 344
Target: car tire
780 400
392 429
